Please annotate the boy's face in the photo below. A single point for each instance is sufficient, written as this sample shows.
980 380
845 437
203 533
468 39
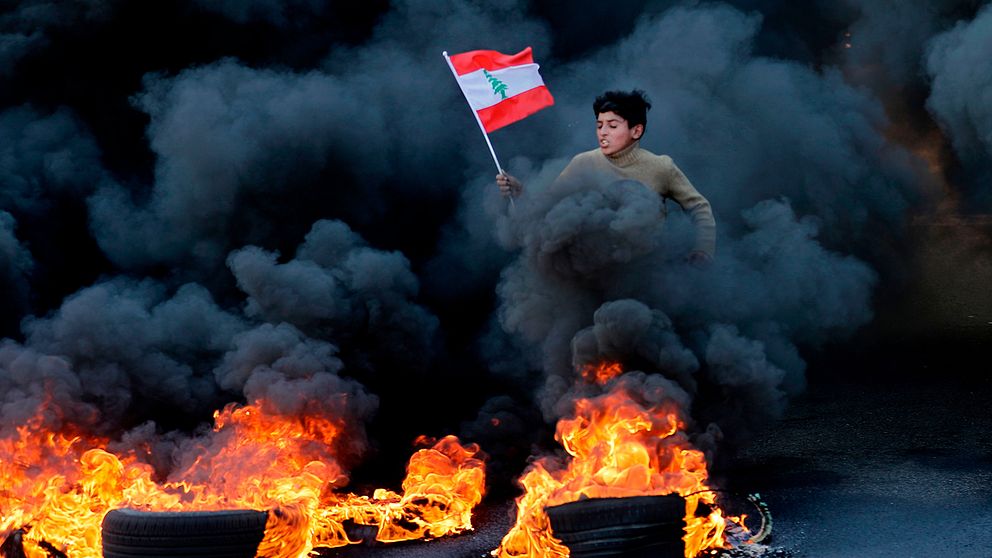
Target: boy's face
613 132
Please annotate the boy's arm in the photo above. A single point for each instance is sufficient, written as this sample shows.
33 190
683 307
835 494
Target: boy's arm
698 207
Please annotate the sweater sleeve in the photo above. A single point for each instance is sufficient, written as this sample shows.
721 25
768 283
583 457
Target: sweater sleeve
682 191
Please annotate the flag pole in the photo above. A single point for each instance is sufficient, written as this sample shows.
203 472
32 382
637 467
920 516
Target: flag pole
485 134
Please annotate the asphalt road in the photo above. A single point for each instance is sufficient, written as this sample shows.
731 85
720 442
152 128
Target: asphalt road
890 456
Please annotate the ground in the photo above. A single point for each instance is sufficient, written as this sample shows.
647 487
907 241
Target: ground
890 462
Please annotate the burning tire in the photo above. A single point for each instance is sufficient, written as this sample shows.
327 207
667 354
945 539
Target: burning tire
636 527
130 533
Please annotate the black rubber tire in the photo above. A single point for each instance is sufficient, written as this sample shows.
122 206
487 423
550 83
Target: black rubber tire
595 513
131 533
648 526
672 531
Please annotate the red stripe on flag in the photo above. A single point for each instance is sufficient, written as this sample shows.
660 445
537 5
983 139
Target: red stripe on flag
515 108
473 60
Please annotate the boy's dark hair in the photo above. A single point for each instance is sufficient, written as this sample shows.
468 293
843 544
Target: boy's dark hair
633 106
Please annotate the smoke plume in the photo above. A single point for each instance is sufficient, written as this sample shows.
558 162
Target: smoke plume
958 68
291 204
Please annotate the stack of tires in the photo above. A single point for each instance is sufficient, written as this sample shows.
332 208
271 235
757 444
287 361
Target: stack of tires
636 527
131 533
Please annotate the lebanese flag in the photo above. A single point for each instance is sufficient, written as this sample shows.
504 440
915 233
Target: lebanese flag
501 88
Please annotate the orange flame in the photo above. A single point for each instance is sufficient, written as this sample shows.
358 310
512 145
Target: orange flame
601 373
58 486
619 447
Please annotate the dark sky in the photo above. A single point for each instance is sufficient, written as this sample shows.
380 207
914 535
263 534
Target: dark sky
213 201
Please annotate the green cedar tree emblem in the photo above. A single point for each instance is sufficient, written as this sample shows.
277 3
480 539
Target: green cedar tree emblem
497 85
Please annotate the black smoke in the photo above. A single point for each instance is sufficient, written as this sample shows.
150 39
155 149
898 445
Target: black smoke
959 100
16 264
213 202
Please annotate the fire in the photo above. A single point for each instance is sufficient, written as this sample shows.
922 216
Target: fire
618 447
442 486
601 373
58 486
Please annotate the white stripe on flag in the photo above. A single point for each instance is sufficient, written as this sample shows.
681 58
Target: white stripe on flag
479 90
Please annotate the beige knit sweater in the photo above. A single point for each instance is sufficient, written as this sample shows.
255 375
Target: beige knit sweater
657 172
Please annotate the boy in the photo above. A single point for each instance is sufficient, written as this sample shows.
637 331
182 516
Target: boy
621 118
